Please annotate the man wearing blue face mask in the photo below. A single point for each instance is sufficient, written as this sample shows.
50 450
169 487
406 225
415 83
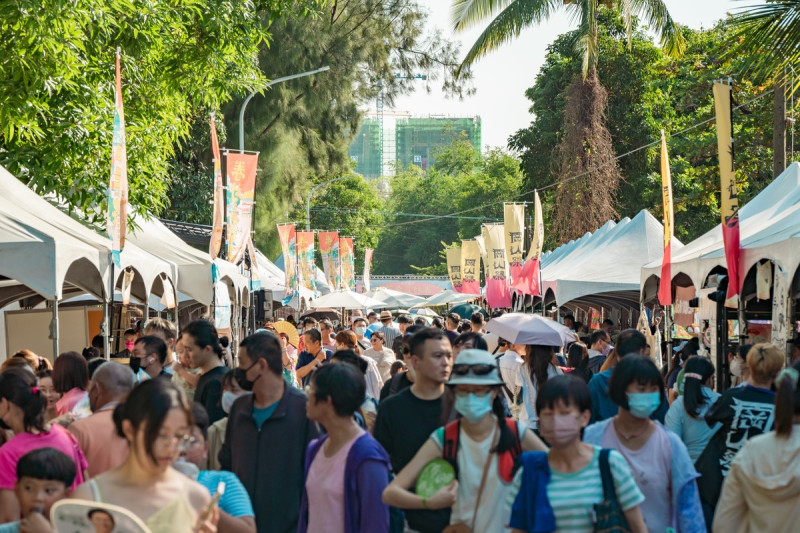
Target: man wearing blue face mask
659 460
360 329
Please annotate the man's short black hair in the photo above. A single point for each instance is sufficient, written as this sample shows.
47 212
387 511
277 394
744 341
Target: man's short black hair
265 345
156 345
372 314
608 322
327 323
476 318
129 331
98 341
343 384
569 316
314 334
417 342
630 341
597 335
633 368
404 319
477 340
48 464
569 389
309 320
359 319
454 319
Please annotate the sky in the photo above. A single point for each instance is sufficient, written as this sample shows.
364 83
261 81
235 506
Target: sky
502 77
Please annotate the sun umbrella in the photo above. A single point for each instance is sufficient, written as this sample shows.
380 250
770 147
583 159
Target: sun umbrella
425 312
447 297
346 300
466 310
283 326
394 299
521 328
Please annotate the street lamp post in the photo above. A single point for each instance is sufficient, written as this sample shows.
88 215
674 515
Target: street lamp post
273 82
310 194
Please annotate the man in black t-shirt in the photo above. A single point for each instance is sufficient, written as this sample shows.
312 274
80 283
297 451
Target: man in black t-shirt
407 419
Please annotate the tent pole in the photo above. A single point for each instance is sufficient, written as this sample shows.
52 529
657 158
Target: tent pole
108 313
55 328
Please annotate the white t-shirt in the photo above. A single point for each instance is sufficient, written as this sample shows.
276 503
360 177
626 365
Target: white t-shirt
497 497
384 359
510 363
528 414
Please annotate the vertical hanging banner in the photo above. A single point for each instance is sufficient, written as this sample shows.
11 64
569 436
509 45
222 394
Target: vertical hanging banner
328 244
470 267
529 281
498 293
729 208
513 221
665 283
217 219
305 259
241 172
454 267
367 265
482 248
286 234
117 218
347 260
255 275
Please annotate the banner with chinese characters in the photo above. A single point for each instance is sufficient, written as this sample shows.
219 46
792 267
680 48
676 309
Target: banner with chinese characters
305 260
117 218
454 267
470 267
665 283
346 255
498 293
286 234
329 250
367 264
529 278
218 217
729 208
240 195
513 221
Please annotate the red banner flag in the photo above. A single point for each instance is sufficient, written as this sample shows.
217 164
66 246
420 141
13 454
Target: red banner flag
529 277
665 283
241 171
729 207
498 293
216 221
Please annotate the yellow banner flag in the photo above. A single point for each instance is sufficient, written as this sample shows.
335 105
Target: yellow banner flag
454 267
470 267
514 232
498 294
537 239
665 283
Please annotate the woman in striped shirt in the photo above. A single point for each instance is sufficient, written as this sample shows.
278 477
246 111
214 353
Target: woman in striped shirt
575 484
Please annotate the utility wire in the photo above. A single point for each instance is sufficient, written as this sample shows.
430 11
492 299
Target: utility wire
586 173
389 213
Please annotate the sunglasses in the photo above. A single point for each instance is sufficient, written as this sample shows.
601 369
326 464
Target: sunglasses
478 370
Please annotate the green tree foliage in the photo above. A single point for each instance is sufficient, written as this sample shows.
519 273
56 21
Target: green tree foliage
353 207
302 128
461 180
649 91
179 59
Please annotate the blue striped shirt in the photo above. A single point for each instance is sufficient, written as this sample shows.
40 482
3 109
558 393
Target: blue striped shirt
235 501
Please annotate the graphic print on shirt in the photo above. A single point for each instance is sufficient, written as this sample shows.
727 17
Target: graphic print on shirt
749 419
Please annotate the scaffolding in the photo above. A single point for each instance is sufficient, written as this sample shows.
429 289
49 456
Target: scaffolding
365 150
419 139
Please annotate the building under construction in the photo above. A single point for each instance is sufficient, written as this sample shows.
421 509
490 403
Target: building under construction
410 141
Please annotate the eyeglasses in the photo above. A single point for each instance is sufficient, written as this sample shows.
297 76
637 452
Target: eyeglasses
184 442
478 370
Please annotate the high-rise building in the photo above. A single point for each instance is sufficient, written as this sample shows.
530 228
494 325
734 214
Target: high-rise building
419 139
365 150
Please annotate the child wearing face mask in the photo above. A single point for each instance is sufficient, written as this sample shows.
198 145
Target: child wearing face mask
231 390
481 445
560 488
658 458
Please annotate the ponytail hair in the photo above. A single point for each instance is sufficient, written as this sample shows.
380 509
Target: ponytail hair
697 370
19 387
204 334
506 441
787 401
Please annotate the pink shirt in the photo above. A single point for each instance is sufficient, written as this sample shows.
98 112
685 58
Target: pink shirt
70 400
58 438
325 489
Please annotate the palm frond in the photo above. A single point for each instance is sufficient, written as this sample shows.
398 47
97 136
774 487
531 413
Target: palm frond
466 13
586 38
769 36
657 16
627 16
508 24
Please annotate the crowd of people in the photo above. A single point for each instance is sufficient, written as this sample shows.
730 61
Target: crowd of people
384 425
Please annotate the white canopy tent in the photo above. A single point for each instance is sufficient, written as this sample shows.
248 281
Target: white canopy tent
769 228
604 267
394 299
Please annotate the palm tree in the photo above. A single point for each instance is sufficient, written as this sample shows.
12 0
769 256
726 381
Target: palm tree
516 15
586 144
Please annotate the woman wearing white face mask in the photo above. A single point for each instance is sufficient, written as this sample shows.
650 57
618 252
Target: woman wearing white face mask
658 458
561 487
231 390
481 446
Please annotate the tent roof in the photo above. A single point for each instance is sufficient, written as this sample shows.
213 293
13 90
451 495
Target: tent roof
766 223
606 261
